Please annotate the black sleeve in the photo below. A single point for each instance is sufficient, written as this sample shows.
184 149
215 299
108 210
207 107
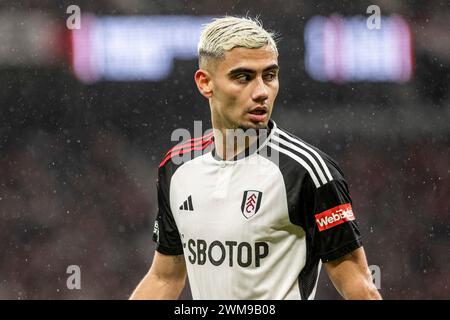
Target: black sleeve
165 231
330 216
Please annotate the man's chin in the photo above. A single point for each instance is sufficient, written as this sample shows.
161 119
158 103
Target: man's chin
253 125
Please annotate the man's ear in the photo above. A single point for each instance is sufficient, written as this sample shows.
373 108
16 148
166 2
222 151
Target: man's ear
203 80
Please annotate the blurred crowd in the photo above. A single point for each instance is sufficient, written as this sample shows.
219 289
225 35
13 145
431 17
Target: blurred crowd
62 208
400 193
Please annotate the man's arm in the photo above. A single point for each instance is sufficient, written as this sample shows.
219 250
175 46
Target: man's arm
165 279
351 276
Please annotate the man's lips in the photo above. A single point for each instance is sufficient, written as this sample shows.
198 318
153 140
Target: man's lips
258 110
258 114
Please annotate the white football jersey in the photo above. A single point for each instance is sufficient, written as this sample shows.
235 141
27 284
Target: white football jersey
257 226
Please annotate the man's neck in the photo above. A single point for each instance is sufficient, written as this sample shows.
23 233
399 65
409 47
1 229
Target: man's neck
231 142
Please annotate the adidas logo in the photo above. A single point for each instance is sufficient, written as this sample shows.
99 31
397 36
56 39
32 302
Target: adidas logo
187 204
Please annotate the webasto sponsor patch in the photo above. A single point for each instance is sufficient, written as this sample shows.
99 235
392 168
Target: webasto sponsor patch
334 216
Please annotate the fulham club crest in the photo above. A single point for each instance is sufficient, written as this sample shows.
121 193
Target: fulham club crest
250 203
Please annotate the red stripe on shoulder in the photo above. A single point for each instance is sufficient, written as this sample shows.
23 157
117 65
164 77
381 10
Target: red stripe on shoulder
188 149
192 142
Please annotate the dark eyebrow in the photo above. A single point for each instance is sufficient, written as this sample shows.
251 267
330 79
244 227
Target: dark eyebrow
272 67
245 70
240 70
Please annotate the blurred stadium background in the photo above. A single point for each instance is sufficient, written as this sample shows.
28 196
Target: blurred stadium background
87 114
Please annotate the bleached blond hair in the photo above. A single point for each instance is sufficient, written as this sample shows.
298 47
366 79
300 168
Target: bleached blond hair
224 34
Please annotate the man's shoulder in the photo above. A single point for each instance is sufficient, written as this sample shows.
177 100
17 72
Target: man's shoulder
185 151
295 154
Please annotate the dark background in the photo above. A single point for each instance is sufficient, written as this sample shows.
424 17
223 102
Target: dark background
78 162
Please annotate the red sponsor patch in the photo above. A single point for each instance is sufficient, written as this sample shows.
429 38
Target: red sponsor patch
334 216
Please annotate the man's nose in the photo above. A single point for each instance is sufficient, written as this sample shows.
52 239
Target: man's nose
260 92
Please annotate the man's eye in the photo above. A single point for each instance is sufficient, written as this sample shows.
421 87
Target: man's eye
270 76
243 78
